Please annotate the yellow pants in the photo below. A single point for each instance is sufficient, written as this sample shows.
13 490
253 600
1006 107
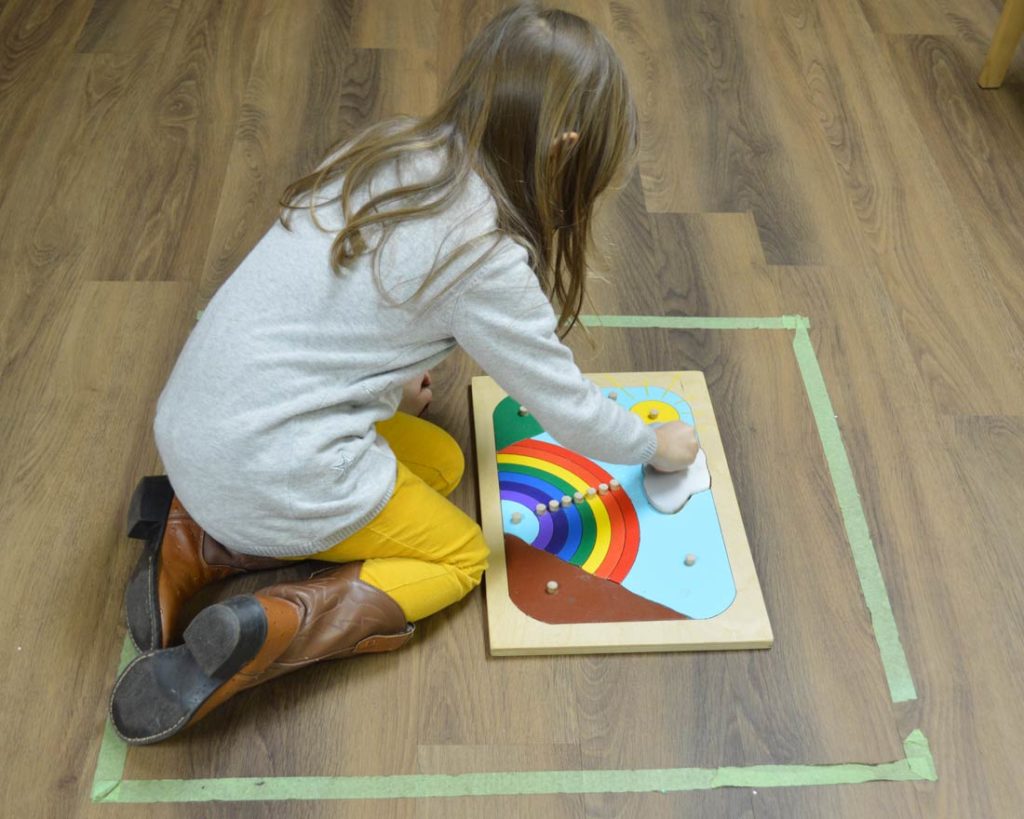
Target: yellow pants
422 550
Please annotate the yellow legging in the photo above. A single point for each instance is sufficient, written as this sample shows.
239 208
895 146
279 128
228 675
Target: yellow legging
422 550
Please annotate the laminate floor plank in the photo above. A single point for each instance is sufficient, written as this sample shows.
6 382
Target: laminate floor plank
82 433
36 41
977 139
721 134
52 217
907 17
399 24
922 253
114 27
894 800
934 541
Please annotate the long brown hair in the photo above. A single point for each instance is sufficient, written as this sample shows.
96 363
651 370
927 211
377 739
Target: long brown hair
530 77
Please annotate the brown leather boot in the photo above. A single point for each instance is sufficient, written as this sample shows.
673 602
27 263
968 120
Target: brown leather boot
178 559
248 640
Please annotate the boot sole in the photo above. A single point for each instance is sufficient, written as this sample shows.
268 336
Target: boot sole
159 692
147 519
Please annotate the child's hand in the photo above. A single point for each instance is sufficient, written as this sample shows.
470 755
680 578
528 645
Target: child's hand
677 447
416 395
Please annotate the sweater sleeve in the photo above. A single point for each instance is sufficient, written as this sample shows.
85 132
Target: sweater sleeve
505 322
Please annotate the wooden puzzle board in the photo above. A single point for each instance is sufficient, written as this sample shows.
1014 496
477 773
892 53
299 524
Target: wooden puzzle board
629 578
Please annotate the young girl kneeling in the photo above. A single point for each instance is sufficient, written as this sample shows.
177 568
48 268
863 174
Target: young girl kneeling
284 427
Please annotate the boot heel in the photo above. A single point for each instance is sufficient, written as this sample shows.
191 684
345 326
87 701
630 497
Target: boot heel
148 508
225 636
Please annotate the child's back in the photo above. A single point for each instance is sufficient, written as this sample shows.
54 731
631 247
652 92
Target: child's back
275 396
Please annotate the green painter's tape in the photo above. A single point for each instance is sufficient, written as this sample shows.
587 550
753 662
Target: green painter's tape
894 659
917 766
698 322
110 762
919 756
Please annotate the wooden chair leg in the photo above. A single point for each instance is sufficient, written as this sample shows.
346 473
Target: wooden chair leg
1004 42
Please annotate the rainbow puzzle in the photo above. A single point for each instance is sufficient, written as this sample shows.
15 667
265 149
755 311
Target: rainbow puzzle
589 557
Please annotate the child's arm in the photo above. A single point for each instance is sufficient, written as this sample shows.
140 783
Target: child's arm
505 322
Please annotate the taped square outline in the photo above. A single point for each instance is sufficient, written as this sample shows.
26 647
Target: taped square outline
917 765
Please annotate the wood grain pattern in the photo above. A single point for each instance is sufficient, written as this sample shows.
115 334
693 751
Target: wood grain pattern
400 24
36 42
714 108
827 158
882 173
869 799
977 142
938 561
908 17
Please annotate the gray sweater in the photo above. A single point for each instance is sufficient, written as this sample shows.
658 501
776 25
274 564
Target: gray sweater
266 425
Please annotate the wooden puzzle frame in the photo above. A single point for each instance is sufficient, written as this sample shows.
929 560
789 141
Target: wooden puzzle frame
744 625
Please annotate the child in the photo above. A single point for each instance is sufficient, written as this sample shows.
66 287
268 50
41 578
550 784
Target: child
278 426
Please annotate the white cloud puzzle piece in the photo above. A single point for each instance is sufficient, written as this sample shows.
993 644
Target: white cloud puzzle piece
668 492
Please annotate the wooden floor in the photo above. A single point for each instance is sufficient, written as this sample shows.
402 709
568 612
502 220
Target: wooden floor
832 159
